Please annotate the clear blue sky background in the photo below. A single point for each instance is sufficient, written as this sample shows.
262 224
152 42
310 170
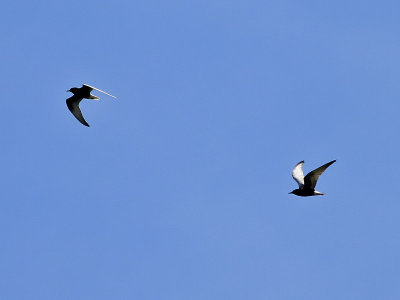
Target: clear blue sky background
179 189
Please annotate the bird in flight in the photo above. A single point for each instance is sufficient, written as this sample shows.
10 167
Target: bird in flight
79 94
307 184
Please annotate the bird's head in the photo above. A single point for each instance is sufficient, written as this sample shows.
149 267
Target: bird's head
72 90
294 192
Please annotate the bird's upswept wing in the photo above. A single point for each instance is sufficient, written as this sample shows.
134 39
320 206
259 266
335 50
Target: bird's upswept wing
73 106
310 181
298 175
93 88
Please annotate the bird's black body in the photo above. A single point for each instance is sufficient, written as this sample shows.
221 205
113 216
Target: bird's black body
305 192
83 92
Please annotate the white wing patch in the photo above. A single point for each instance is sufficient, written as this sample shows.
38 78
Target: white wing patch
100 91
298 175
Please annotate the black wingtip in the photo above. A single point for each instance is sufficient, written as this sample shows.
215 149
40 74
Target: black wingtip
84 123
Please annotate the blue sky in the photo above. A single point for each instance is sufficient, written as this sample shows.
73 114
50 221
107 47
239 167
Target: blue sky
179 189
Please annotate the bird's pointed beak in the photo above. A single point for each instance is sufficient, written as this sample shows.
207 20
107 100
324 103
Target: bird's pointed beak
67 91
290 193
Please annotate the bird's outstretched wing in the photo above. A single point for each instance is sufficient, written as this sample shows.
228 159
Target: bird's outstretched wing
310 181
298 175
93 88
73 106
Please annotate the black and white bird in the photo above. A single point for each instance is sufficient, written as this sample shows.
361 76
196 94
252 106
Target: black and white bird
79 94
307 184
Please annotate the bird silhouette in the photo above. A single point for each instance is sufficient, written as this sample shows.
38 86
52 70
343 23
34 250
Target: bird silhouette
307 184
79 94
